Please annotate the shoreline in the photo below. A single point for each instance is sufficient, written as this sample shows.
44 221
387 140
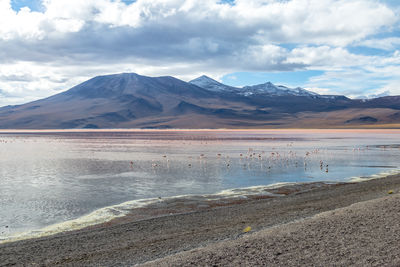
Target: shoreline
130 241
149 208
365 128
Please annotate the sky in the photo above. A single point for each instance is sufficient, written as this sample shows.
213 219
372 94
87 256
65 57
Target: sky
349 47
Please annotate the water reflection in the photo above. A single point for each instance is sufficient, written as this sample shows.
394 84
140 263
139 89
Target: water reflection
47 178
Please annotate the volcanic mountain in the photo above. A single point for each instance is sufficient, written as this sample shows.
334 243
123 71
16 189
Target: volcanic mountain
130 100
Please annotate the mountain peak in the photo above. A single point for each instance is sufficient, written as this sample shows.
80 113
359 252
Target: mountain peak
276 90
118 75
127 84
203 78
212 85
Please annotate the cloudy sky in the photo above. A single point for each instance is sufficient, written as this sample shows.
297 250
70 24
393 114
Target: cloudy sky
349 47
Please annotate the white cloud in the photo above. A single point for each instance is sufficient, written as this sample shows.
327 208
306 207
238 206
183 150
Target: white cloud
320 22
330 22
327 57
391 88
388 44
72 40
359 81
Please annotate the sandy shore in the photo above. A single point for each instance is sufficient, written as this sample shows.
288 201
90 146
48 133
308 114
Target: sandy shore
322 226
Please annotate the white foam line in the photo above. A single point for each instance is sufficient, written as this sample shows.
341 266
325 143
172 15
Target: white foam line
96 217
357 179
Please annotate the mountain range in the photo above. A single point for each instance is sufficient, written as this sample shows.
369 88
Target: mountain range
129 100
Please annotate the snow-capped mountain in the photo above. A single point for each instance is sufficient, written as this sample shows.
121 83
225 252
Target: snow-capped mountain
210 84
275 90
264 89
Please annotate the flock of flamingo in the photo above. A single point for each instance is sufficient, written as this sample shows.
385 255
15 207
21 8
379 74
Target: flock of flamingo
252 159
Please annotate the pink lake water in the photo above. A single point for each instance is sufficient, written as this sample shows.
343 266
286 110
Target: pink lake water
47 178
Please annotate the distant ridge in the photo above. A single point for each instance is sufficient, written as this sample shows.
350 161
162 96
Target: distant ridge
276 90
266 88
130 100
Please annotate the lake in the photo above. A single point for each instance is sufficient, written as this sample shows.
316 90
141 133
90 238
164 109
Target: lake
50 177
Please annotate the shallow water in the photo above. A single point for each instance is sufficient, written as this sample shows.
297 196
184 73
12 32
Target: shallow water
48 178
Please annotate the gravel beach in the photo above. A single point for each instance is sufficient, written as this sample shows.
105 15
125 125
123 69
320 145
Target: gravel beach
337 224
363 234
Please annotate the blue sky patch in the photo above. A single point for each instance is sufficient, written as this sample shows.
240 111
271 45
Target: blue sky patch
34 5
